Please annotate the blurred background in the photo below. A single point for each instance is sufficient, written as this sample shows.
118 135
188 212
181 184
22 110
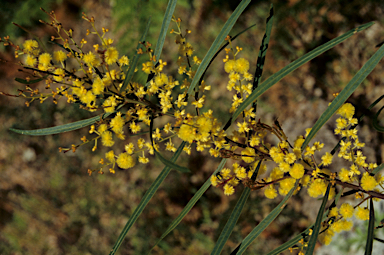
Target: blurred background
49 204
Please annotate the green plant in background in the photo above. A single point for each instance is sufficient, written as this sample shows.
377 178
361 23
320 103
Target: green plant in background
102 80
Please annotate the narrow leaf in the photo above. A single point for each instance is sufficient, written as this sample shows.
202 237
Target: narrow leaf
263 224
375 122
190 204
133 65
145 200
262 54
164 27
171 164
60 129
217 43
345 93
316 228
263 50
303 234
371 228
30 81
272 80
228 228
378 169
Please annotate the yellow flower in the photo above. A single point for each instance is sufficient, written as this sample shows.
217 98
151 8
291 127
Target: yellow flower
248 155
346 110
317 188
88 98
111 55
117 123
89 58
326 237
125 161
241 65
45 59
109 104
276 173
102 128
286 185
229 66
290 158
30 60
124 61
59 56
161 79
186 133
59 74
270 192
362 213
333 212
110 155
214 180
97 86
346 210
30 45
368 182
297 171
327 159
228 190
344 175
134 128
106 139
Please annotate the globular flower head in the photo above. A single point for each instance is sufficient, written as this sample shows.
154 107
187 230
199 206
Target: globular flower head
59 74
241 65
45 59
229 66
362 213
187 133
59 56
111 55
228 190
347 110
270 192
346 210
297 171
30 46
30 60
317 188
125 161
368 182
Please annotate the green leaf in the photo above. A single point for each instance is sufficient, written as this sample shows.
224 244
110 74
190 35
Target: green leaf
272 80
66 127
263 50
190 204
264 223
62 128
262 54
378 169
319 219
217 43
162 159
228 228
371 228
171 164
30 81
303 234
375 122
145 200
164 27
132 66
345 93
